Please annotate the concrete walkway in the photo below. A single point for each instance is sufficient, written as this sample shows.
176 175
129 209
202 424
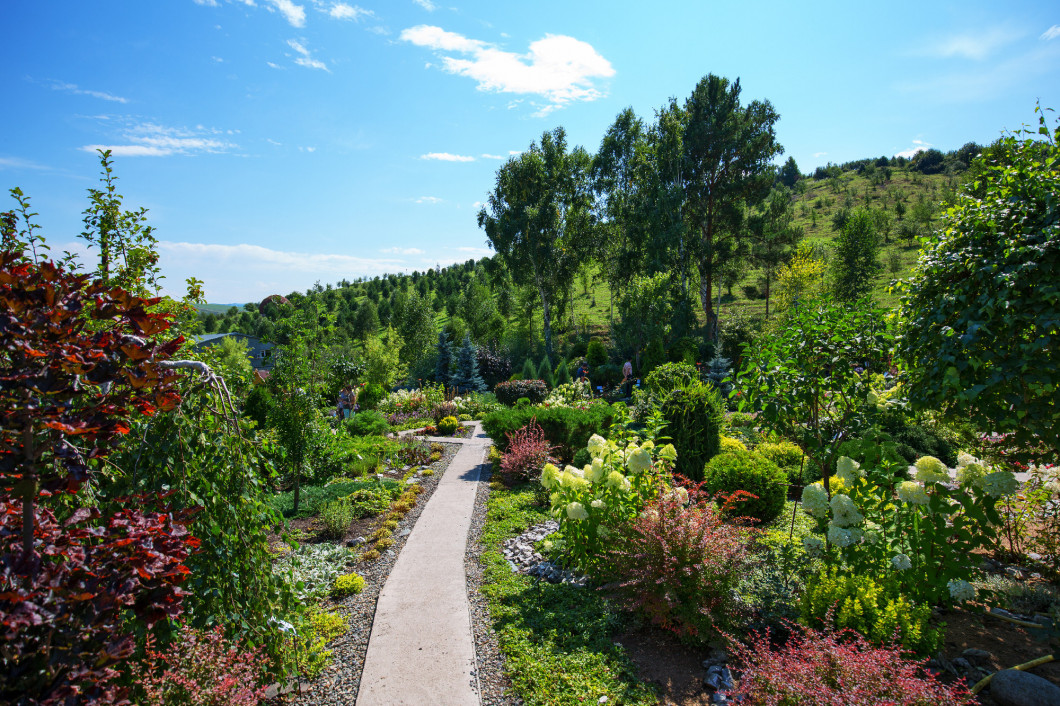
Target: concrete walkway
421 650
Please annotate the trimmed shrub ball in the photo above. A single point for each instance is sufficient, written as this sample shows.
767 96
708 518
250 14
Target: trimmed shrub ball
744 470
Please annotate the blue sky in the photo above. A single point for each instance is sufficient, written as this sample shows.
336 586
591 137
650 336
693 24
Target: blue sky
281 142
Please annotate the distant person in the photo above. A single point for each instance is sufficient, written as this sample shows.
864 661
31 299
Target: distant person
344 404
627 378
582 373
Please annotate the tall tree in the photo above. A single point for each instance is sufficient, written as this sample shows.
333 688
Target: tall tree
727 153
540 219
857 249
416 324
774 236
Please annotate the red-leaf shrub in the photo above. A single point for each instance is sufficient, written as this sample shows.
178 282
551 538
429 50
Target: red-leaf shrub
510 391
678 563
200 668
836 669
77 361
528 452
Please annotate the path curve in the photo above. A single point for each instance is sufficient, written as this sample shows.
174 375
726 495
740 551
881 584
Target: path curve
421 650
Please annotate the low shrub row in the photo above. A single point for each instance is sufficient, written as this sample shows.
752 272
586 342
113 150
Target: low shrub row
511 391
567 429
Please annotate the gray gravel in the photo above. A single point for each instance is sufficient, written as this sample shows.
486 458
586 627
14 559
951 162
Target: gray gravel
338 684
494 686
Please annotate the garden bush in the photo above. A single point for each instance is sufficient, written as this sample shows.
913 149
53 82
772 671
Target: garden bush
679 565
337 516
528 452
370 395
873 608
565 428
670 376
510 392
693 415
581 458
448 426
744 470
787 456
199 667
364 495
836 669
727 444
443 410
596 353
367 423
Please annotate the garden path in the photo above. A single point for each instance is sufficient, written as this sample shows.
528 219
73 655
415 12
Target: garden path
421 650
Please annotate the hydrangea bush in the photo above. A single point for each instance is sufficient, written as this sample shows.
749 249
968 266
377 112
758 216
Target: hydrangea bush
924 529
591 502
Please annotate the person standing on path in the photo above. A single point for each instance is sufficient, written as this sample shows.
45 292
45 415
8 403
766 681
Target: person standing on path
627 378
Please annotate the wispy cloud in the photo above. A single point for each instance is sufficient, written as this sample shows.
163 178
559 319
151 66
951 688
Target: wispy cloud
78 91
426 5
976 45
1051 33
559 68
446 157
918 146
481 252
19 163
402 251
1020 72
342 11
294 14
486 155
207 3
819 154
305 58
153 140
429 199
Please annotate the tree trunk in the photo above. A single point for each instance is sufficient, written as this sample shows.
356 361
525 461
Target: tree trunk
546 321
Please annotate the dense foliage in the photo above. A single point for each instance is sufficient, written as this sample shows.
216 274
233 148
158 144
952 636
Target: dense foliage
565 428
753 473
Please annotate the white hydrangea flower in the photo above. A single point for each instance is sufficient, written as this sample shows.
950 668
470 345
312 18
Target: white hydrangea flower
872 532
845 512
648 445
814 545
668 452
961 590
815 500
901 562
617 480
639 460
872 398
575 471
597 444
931 470
842 537
598 504
682 496
848 470
549 476
596 471
912 492
971 474
577 511
1000 483
965 459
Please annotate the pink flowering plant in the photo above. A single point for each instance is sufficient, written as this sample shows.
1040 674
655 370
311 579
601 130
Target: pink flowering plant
922 529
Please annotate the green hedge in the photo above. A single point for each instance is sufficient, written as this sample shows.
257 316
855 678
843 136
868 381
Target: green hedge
567 429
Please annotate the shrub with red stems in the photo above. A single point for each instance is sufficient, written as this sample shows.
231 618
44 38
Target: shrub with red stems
200 668
678 562
836 669
528 452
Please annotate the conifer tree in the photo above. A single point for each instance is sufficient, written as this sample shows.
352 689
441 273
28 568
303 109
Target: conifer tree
465 377
445 358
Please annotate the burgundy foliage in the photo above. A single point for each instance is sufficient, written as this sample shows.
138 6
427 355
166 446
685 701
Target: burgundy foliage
837 669
528 452
77 362
511 391
493 365
679 563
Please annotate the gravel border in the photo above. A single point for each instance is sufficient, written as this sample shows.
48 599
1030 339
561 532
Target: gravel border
495 688
341 678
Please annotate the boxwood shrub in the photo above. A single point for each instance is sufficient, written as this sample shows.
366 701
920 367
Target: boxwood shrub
508 393
746 470
565 428
693 415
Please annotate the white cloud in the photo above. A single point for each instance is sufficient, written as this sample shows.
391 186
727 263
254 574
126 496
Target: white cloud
1051 33
559 68
238 273
426 5
918 146
295 14
514 152
153 140
819 154
74 89
208 3
481 252
487 155
218 59
429 199
274 66
402 251
305 58
342 11
19 163
446 157
971 45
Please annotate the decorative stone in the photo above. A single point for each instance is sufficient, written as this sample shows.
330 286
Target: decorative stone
356 542
405 532
1011 687
976 655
